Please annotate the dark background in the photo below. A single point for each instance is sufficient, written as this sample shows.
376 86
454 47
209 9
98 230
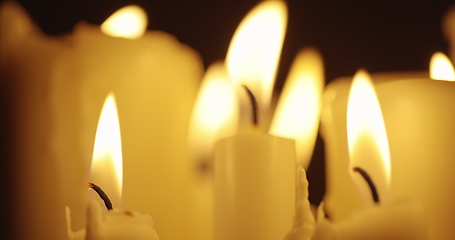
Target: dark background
377 35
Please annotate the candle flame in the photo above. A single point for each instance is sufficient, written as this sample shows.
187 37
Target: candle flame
441 67
215 112
299 107
128 22
253 54
367 137
107 168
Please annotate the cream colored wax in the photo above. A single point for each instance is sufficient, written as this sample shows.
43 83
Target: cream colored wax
53 90
418 119
31 176
254 187
155 79
403 220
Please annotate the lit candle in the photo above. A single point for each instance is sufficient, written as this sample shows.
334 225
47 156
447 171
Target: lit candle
254 172
370 169
418 119
107 169
155 79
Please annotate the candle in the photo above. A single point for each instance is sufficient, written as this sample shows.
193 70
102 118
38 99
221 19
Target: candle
55 86
417 117
254 172
155 79
107 169
370 163
215 103
29 164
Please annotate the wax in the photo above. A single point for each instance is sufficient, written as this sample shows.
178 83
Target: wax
115 224
400 220
55 87
31 167
155 80
254 186
418 119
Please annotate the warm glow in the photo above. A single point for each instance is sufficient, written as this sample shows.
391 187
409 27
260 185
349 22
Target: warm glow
107 168
298 111
367 137
253 54
127 22
215 112
441 67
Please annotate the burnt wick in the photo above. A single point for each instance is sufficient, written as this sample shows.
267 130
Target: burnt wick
101 193
367 178
254 105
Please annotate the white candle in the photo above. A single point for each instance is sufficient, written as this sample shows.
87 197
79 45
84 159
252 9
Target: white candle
107 170
369 151
26 65
58 85
254 186
210 121
155 79
417 115
254 172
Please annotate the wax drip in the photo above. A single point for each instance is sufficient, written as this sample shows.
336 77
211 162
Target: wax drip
254 105
367 178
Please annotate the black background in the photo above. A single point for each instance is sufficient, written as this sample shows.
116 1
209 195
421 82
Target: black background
376 35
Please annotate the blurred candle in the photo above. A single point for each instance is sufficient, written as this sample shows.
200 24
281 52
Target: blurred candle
155 79
417 115
369 151
29 165
254 172
212 119
107 171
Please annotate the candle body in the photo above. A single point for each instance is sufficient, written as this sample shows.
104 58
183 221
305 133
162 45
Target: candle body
114 224
418 117
401 220
154 79
254 187
29 166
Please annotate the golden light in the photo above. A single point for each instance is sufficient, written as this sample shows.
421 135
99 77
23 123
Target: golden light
253 54
441 67
367 137
107 166
215 112
128 22
298 110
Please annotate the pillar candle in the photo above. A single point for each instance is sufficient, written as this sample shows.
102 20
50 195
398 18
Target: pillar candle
254 186
55 86
29 166
417 115
381 217
155 79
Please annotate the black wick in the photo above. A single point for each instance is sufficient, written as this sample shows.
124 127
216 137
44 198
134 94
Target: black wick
101 193
254 105
367 178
